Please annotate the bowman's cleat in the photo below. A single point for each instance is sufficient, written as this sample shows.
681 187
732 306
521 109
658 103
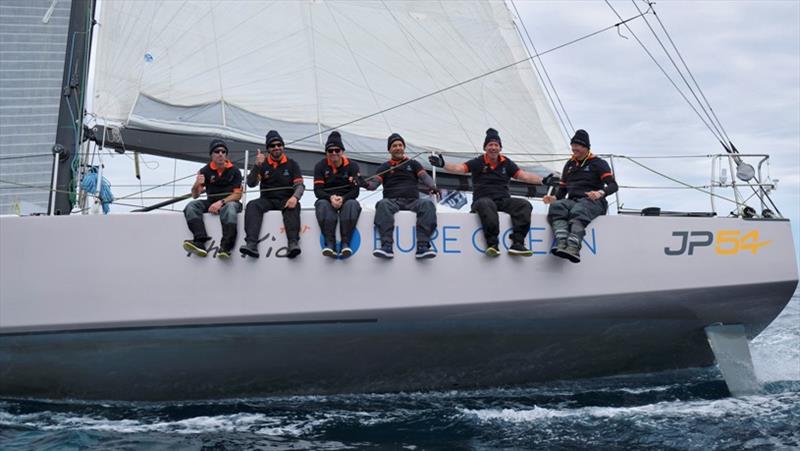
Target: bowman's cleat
572 254
224 254
385 251
195 247
492 251
425 251
329 252
249 250
518 250
346 251
294 249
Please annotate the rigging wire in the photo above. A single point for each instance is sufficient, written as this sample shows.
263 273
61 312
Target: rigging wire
644 47
466 94
684 185
687 185
680 72
409 36
729 147
441 90
357 64
413 157
468 80
571 128
690 74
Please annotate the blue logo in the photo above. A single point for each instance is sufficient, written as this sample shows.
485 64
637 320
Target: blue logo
355 243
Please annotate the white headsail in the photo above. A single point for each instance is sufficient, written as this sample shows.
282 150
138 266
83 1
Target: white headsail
238 68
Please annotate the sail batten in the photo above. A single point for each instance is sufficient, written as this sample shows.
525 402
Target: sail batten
311 65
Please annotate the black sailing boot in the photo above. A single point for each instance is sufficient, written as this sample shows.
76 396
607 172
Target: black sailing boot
249 249
573 250
227 241
560 233
293 249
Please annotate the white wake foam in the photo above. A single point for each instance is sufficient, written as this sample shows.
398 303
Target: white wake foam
776 352
752 406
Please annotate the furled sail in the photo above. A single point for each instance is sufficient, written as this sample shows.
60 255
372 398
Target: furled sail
33 39
239 68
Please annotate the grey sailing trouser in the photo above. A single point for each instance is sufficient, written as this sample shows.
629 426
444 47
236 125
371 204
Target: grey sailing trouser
569 218
347 216
426 217
227 216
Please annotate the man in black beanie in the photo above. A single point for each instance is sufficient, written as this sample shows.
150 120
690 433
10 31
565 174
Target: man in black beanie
581 196
281 184
490 176
401 177
336 188
222 183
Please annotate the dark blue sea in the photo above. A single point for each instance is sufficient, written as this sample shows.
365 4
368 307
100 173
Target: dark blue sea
688 409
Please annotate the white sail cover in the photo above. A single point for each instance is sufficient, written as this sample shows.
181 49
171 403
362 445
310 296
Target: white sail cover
239 68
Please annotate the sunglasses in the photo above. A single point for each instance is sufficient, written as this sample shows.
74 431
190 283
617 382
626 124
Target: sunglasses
334 150
219 151
275 146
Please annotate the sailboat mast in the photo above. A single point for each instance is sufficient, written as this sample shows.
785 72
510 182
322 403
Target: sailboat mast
70 111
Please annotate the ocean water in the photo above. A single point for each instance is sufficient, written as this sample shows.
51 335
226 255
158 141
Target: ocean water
687 409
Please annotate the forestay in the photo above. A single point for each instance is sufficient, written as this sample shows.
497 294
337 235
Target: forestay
238 68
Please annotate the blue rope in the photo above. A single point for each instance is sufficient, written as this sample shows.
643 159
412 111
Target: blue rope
89 184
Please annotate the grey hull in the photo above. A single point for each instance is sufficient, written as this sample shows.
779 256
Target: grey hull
463 346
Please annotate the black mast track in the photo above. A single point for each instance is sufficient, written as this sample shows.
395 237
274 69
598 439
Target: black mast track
190 147
70 111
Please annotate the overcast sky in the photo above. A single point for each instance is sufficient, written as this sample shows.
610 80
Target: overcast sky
744 54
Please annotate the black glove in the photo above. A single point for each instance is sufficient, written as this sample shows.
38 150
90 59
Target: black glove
436 160
435 192
361 181
551 180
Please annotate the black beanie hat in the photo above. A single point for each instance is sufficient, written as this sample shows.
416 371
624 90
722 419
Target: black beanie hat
582 138
272 135
334 140
492 135
392 138
216 143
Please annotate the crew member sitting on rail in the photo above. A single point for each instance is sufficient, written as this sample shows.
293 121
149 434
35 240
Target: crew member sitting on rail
222 182
336 188
581 196
490 176
281 189
401 177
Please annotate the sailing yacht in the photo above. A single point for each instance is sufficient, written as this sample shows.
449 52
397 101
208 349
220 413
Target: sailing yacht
117 310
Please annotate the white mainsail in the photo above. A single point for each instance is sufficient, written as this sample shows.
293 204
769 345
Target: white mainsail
238 68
